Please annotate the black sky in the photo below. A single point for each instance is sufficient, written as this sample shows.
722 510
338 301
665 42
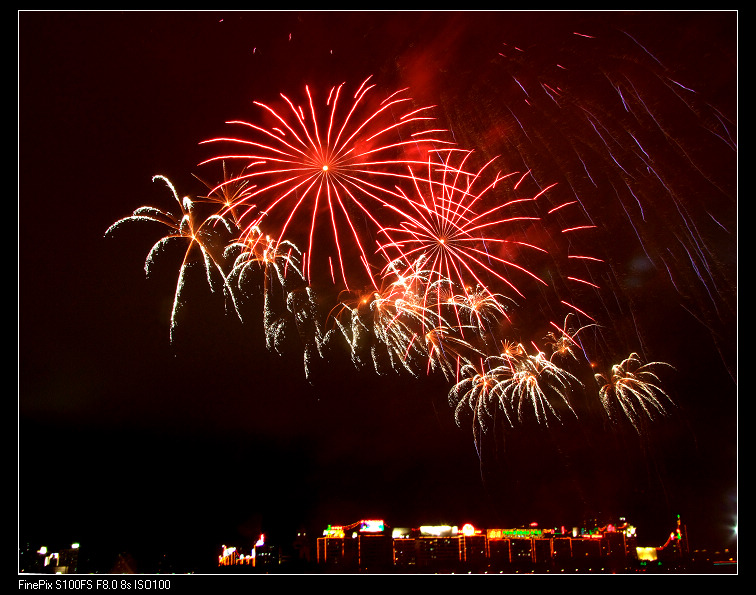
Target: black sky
125 438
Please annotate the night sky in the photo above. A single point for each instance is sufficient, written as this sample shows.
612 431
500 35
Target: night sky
127 439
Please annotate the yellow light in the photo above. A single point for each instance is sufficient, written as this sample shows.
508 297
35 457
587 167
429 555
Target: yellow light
646 553
325 168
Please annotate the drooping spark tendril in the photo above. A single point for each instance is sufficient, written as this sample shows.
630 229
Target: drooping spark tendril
386 322
514 382
279 262
199 233
633 388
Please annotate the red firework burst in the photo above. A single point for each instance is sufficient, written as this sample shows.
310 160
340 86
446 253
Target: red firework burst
458 235
331 169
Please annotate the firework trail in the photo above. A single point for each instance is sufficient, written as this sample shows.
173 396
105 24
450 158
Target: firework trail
334 167
649 154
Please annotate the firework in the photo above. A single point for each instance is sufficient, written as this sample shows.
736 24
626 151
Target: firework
448 351
477 392
279 265
633 388
481 312
532 376
564 342
447 253
302 305
513 382
226 194
336 168
386 323
261 251
459 236
201 234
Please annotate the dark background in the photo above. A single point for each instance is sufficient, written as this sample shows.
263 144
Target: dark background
136 444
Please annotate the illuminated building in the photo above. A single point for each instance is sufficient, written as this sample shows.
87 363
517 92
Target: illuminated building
473 547
301 548
368 545
374 546
43 560
499 548
586 548
364 545
561 550
233 556
437 547
404 551
265 555
521 546
261 556
674 552
542 550
330 549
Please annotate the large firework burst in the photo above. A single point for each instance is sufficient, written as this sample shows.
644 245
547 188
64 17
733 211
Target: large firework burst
307 169
450 224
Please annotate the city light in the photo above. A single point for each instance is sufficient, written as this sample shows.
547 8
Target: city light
371 526
438 530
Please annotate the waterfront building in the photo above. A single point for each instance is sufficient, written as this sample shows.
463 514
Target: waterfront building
437 548
46 560
404 551
364 545
367 545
